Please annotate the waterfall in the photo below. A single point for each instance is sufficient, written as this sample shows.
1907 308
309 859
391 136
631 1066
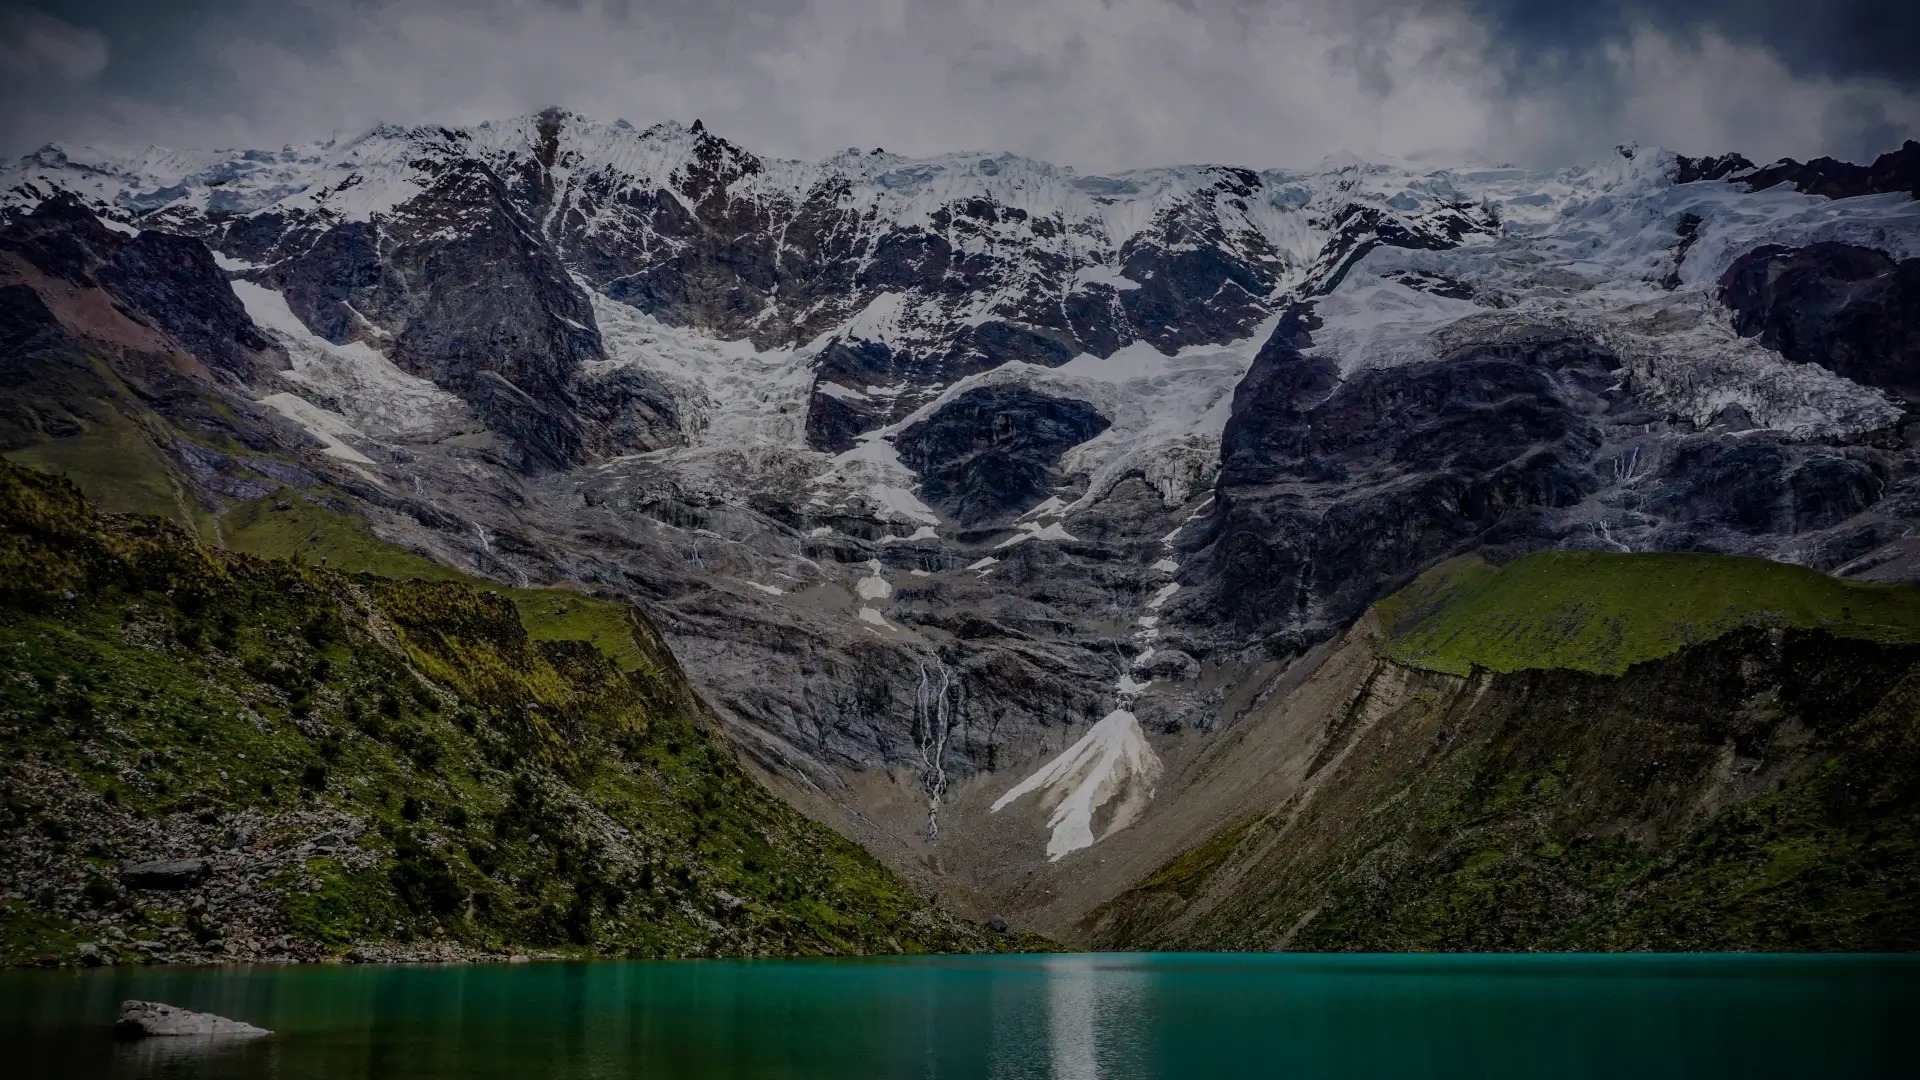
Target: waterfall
937 710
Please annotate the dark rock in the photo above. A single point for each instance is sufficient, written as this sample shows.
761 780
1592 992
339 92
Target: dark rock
147 1019
165 873
1331 491
997 924
1741 485
168 282
486 311
988 454
1896 170
1169 664
1686 231
630 412
174 282
1851 310
1693 170
62 238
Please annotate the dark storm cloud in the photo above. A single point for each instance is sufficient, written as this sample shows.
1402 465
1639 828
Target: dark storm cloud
1096 83
1812 37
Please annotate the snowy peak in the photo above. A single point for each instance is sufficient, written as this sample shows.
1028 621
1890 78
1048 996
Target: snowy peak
900 277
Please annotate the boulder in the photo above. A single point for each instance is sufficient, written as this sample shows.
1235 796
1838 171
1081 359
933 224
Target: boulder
997 924
165 874
144 1019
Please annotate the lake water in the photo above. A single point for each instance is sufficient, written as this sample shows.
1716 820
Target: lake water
1077 1016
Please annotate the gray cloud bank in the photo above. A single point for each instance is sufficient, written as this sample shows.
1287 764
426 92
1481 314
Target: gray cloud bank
1100 84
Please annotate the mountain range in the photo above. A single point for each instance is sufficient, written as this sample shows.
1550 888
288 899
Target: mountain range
1087 547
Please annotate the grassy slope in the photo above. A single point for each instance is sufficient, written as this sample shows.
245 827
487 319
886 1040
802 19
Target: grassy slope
511 792
304 532
112 458
1733 789
1603 612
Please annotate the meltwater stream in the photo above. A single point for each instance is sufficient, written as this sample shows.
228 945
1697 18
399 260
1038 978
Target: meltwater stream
1076 1016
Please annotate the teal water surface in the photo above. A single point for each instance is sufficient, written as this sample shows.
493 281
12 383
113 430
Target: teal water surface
1060 1017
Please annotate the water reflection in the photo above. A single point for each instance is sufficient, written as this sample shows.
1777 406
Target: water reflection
176 1055
1099 1018
1073 1006
1007 1018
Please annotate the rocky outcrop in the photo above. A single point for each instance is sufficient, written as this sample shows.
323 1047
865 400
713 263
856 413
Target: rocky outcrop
989 453
1332 491
168 282
1851 310
484 310
1336 487
1896 170
148 1019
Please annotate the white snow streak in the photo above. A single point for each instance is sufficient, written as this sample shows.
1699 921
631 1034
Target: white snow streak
1112 760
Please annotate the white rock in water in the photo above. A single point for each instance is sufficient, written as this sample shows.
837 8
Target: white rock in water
140 1019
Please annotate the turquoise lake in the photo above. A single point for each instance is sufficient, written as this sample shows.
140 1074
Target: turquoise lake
1076 1016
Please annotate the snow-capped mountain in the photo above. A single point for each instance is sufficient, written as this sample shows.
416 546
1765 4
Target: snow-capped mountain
899 274
973 489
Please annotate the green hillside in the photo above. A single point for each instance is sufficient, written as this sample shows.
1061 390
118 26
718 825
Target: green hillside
375 766
1603 612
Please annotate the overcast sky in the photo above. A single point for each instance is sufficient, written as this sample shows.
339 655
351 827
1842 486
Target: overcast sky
1099 84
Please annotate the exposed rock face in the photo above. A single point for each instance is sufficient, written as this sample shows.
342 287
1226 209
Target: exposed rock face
1897 170
482 309
169 282
1332 490
989 453
146 1019
1852 310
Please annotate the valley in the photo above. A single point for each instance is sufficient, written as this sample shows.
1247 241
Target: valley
1196 557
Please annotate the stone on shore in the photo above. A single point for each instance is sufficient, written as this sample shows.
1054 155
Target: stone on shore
141 1019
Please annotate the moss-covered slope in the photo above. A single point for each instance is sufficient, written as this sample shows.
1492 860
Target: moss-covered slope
370 766
1603 611
1745 784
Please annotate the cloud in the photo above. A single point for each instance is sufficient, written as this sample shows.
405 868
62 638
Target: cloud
1099 84
36 47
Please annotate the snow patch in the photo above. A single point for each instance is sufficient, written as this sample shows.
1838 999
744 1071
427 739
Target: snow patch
873 586
1112 760
329 427
367 390
1033 530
